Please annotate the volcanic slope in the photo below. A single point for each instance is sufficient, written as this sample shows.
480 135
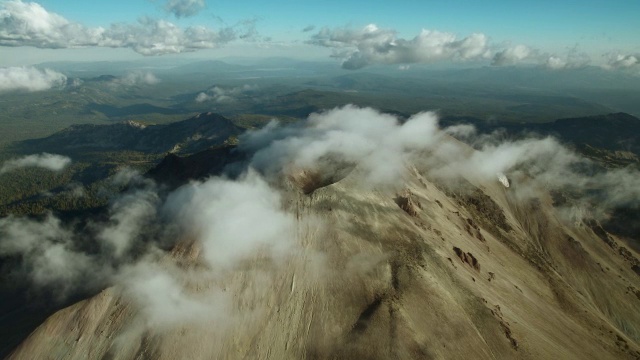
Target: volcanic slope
421 270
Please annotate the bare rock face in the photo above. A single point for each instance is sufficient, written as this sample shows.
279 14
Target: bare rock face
409 203
467 258
326 172
308 180
502 178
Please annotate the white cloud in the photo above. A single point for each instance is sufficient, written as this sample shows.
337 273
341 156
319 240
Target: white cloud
381 146
513 55
517 54
29 24
222 95
163 298
47 161
372 45
184 8
622 61
233 219
157 37
377 142
554 62
46 250
129 217
30 79
137 78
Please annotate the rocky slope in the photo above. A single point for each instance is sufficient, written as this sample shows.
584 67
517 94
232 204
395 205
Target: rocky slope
420 270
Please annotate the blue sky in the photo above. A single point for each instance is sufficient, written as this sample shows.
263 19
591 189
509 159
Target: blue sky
546 28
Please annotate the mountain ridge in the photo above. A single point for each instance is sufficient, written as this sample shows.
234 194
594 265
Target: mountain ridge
186 136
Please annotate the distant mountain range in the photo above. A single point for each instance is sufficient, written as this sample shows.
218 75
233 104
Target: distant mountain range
611 132
619 131
187 136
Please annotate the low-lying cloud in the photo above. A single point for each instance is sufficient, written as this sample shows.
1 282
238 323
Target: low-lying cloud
50 257
229 220
30 24
47 161
30 79
223 95
383 147
377 142
136 78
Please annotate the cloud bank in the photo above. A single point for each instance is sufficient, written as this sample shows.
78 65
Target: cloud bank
30 79
383 147
373 45
184 8
377 142
47 161
29 24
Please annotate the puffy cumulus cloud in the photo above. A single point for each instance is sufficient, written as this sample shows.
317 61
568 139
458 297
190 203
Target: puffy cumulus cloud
572 60
372 45
377 142
544 160
621 61
184 8
222 95
157 37
233 219
30 79
513 55
554 62
47 161
29 24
